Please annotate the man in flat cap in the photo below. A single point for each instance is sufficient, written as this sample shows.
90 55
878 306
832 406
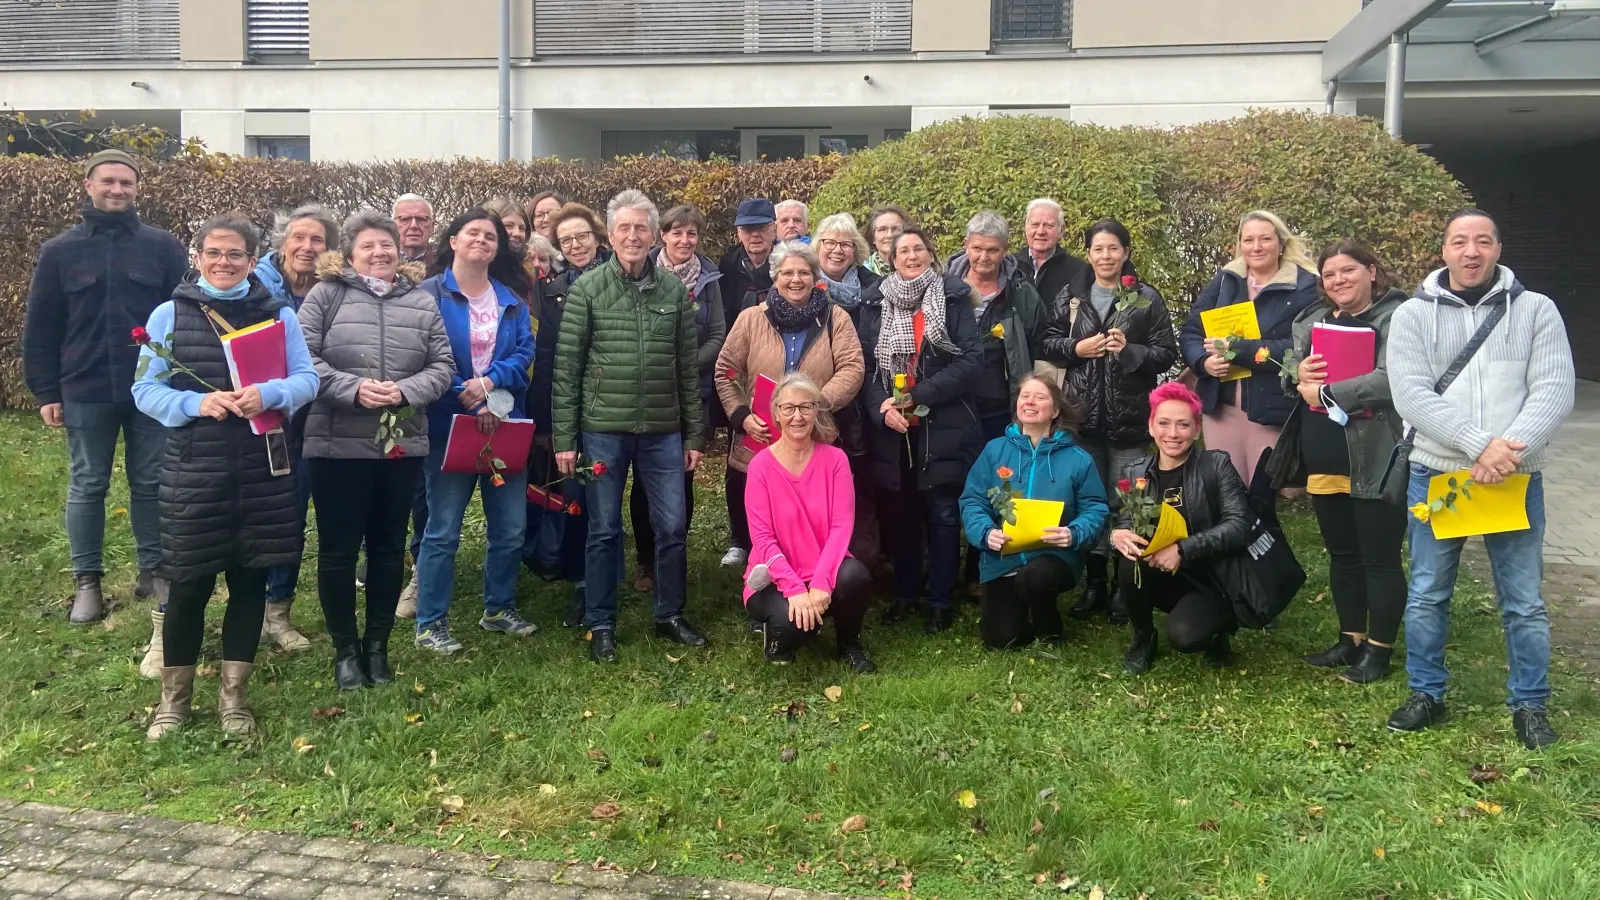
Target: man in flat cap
92 286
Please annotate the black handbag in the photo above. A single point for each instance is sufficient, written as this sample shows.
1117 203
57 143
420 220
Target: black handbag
1397 477
1260 580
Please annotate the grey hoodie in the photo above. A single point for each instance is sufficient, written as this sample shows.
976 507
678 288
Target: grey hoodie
1519 385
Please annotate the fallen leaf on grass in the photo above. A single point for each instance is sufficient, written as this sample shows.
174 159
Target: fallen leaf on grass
1038 826
302 744
1067 883
1487 806
452 804
1041 877
833 692
788 754
907 881
674 659
322 713
419 687
864 726
1016 706
812 817
547 789
607 810
1315 811
1044 795
1095 893
853 824
1482 774
413 718
1208 825
327 769
1379 852
967 799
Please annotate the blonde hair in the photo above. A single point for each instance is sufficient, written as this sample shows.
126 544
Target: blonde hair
1294 249
843 224
822 427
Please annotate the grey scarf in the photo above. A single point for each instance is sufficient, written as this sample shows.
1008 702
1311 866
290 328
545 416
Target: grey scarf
897 334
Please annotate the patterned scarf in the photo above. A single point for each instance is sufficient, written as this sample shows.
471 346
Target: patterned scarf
846 291
378 286
897 334
688 272
877 265
785 316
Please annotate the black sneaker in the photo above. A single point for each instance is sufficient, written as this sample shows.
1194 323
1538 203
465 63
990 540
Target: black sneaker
603 645
856 658
1533 726
1418 712
1220 653
678 629
778 651
940 618
1141 653
1338 656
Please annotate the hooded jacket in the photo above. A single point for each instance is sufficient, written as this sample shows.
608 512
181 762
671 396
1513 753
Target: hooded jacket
1518 386
354 335
1057 469
1279 302
1020 317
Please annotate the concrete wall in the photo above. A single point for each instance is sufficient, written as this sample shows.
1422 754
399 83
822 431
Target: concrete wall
211 30
416 29
949 25
1159 23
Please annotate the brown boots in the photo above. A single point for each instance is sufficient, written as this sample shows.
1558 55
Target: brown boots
233 708
177 693
277 625
177 697
88 603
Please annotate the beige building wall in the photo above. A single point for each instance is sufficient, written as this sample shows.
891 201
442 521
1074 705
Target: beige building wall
949 26
415 29
1164 23
211 30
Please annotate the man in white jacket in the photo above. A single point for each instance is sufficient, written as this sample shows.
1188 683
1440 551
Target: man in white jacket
1493 420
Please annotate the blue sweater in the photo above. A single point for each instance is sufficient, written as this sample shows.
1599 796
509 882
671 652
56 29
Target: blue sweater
513 349
1057 469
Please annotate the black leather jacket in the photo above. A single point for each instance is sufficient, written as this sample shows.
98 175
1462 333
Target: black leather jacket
1215 505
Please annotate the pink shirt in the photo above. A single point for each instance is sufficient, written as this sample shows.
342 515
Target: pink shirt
483 316
800 526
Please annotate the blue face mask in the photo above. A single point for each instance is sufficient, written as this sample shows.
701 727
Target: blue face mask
237 292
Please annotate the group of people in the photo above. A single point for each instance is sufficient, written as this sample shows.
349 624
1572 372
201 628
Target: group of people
862 380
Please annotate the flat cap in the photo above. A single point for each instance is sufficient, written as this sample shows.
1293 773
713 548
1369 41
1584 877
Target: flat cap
110 156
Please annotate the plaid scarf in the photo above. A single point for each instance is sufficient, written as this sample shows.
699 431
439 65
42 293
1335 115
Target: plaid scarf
902 300
688 272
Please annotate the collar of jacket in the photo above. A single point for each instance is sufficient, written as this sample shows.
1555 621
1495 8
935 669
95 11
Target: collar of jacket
1288 273
501 292
958 265
331 266
100 220
1324 310
1083 282
1055 440
1434 290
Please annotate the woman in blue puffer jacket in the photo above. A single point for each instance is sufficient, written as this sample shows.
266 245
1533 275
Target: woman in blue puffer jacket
1042 460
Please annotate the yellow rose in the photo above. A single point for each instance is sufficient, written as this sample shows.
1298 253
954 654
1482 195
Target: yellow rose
1420 512
999 330
1263 355
900 382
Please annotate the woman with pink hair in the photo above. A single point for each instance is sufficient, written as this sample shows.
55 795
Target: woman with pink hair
1203 487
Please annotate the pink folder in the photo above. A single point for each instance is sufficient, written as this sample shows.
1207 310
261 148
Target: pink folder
257 355
1349 352
464 453
761 405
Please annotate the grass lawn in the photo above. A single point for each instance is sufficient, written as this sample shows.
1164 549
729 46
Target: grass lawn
1267 779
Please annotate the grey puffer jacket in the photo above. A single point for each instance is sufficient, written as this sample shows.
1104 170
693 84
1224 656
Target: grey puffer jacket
353 335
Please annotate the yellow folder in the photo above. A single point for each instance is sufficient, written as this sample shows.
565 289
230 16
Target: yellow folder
1170 529
1492 508
1033 517
1238 319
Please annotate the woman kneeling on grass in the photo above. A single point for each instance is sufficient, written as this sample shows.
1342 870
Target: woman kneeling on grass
213 459
801 502
1204 488
1040 460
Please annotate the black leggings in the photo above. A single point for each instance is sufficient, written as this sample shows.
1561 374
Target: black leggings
738 520
1010 603
852 591
184 628
644 536
1363 539
356 500
1195 616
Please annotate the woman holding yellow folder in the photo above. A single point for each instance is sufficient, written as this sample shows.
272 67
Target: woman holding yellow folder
1037 465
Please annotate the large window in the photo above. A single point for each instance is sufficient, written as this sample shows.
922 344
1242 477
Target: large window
691 145
88 30
773 147
710 27
281 148
278 30
1031 21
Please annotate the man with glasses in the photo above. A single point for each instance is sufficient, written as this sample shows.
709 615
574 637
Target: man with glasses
414 214
91 287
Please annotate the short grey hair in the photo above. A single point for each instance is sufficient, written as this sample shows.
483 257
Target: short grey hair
314 211
1047 203
794 248
367 220
823 429
805 211
236 222
537 245
842 224
635 200
988 223
410 198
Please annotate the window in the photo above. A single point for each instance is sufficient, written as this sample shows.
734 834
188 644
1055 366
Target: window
281 148
706 27
1037 21
773 147
278 30
688 145
88 30
842 144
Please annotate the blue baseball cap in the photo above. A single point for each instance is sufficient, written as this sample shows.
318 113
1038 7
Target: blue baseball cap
756 211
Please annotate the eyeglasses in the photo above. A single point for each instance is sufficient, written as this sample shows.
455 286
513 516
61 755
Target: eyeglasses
827 244
211 254
788 410
573 240
415 220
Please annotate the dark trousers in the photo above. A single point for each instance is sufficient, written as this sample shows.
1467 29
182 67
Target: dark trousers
1194 615
909 508
738 519
283 580
644 535
1363 539
1018 608
362 500
852 592
184 628
419 518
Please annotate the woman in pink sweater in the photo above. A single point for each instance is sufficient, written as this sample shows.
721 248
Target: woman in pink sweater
802 506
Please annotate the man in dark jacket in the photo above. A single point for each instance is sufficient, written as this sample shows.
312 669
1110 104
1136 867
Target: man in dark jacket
1044 262
744 267
91 287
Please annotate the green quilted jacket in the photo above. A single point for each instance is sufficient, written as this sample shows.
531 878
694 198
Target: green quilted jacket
626 360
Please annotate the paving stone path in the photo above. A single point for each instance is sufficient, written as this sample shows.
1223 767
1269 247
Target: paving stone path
52 851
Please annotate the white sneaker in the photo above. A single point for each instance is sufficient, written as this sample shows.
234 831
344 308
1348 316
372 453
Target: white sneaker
734 557
407 608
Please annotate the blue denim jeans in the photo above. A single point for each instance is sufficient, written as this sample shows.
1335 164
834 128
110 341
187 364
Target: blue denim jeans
91 447
657 461
505 512
1517 560
283 580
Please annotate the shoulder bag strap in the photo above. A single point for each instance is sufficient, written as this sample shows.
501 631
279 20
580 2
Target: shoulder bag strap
1465 356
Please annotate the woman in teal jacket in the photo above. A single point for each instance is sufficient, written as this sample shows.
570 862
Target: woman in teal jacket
1043 462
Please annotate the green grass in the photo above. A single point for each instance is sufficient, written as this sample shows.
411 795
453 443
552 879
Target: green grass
1267 779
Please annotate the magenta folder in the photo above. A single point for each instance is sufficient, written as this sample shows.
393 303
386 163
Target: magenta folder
510 443
761 405
257 355
1348 352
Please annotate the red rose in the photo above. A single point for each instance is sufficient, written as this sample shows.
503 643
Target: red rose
573 509
599 468
140 335
1128 281
732 375
394 452
1124 485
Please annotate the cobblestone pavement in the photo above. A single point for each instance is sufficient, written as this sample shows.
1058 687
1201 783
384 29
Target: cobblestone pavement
52 851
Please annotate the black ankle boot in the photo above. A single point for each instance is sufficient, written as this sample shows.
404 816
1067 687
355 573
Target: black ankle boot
899 611
1220 653
376 653
1371 664
940 618
348 672
1344 653
1117 613
1141 653
1096 595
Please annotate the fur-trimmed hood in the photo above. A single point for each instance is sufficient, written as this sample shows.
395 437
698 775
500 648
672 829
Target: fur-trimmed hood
332 266
1288 272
